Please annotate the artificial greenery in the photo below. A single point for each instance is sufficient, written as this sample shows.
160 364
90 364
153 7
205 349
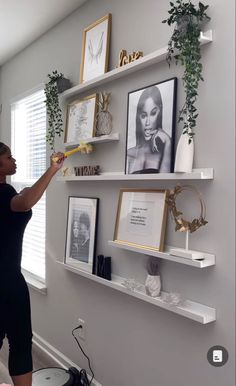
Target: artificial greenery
184 47
54 112
152 266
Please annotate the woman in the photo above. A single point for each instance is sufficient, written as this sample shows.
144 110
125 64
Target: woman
15 212
152 153
81 238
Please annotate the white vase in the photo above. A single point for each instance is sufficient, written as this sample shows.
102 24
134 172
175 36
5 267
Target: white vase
184 155
153 285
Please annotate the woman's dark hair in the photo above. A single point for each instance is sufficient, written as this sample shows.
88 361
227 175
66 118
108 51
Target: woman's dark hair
84 219
3 148
149 92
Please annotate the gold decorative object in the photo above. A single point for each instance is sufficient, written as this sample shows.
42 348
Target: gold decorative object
124 58
65 172
103 117
183 225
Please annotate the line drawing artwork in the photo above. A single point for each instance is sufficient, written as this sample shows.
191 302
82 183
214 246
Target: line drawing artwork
80 114
95 55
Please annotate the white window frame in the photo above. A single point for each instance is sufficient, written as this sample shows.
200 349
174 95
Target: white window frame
34 280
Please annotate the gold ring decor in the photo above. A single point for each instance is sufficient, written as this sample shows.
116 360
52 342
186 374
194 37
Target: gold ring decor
183 225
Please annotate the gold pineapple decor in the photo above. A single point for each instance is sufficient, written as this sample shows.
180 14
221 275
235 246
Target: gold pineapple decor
104 117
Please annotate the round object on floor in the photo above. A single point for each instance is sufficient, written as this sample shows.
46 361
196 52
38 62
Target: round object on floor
52 376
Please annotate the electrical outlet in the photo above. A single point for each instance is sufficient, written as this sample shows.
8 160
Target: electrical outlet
81 330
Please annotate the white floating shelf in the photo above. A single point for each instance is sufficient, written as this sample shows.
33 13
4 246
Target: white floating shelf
192 310
196 174
101 139
139 64
208 261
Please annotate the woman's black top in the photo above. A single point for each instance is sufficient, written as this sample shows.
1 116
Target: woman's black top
12 226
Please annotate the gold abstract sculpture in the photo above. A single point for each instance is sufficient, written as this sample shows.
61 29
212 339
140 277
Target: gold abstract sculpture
181 224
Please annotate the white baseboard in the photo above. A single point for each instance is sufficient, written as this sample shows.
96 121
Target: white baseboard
56 355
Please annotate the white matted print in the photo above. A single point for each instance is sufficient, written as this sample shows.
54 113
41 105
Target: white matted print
95 49
141 218
81 233
80 120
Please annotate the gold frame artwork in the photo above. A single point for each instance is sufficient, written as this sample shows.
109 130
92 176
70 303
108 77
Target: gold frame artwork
85 115
141 218
101 57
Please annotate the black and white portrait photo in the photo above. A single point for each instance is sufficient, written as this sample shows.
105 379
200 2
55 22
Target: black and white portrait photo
81 232
151 128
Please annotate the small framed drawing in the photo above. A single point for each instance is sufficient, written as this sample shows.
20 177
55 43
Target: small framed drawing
141 218
95 49
80 119
151 128
81 233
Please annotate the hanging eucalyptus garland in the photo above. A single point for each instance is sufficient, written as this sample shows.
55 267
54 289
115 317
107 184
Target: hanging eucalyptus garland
184 47
54 112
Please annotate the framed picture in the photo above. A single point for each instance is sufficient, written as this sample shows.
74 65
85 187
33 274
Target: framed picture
141 218
80 120
151 128
81 233
95 49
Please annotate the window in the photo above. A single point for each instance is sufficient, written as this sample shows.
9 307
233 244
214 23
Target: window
28 133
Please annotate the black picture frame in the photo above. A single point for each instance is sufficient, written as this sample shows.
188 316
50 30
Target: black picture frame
151 149
81 233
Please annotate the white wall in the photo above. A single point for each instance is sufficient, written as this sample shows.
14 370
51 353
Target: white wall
132 343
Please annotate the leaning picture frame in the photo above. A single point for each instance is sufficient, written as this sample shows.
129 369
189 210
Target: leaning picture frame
81 232
95 49
81 119
141 218
151 116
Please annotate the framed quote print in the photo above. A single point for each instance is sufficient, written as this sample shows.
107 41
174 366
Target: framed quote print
141 218
81 233
95 49
80 120
151 116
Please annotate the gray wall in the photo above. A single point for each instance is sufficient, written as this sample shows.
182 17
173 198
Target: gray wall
130 342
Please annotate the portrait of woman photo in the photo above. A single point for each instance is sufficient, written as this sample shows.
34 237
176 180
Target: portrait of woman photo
151 129
80 238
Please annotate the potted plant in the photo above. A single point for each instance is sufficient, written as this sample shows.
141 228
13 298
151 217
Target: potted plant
153 279
184 48
56 84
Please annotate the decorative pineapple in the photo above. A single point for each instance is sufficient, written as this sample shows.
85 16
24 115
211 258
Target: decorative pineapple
104 117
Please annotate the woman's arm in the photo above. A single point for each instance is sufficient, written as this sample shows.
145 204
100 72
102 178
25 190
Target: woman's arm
26 199
166 159
165 165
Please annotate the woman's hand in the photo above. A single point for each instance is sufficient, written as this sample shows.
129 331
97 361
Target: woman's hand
163 137
57 160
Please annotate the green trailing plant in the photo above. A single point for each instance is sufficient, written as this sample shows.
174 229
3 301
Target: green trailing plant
54 112
184 47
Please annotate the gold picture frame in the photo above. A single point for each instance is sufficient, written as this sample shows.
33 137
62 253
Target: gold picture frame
95 49
81 119
141 218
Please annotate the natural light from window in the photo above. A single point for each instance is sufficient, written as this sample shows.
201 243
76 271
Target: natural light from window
28 144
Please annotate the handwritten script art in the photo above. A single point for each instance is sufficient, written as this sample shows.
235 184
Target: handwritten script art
125 59
95 52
